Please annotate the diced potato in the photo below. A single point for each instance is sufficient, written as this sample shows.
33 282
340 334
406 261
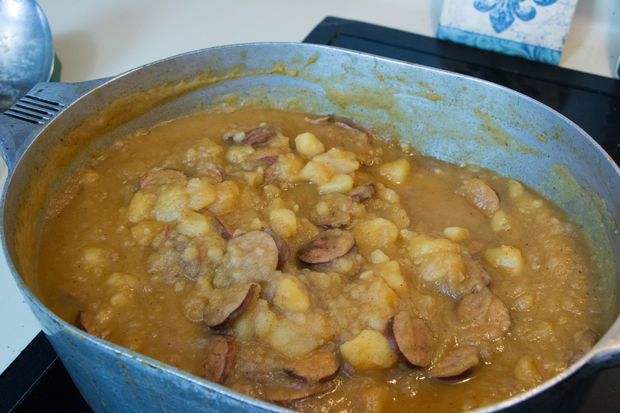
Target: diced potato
287 168
254 178
190 254
121 280
284 222
120 299
140 206
378 256
526 372
94 257
380 294
193 224
515 189
226 198
396 171
265 319
201 193
500 222
338 161
315 172
144 232
339 183
506 259
456 234
369 350
378 233
238 154
391 273
442 264
171 203
292 340
420 245
308 145
292 296
387 194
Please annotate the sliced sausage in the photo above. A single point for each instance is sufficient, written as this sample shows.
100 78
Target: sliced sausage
335 120
221 354
222 228
211 172
479 194
318 367
251 256
333 211
227 304
411 339
485 311
285 394
475 279
457 362
327 246
253 137
362 192
282 245
82 321
165 176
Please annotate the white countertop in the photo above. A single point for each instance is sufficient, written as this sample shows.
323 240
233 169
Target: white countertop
95 38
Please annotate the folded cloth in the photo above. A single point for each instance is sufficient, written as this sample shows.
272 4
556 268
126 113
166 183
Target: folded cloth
533 29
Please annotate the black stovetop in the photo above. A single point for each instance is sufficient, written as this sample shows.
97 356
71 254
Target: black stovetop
37 382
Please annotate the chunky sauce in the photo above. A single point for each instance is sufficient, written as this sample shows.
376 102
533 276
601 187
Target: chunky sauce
302 260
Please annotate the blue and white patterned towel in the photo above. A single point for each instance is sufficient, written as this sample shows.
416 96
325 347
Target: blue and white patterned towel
534 29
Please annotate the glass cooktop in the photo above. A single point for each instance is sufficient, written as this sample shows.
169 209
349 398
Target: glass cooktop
37 382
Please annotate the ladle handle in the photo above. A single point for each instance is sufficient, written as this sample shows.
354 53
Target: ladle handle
21 123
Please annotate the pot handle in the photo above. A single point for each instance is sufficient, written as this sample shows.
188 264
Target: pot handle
21 122
607 351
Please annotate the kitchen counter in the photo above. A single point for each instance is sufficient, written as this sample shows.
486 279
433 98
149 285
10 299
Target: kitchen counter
96 39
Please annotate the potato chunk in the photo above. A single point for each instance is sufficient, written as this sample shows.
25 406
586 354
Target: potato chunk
294 340
339 183
226 198
144 232
500 222
291 296
193 224
140 206
377 233
308 145
315 172
171 203
456 234
201 193
338 161
506 259
369 350
396 171
390 272
284 222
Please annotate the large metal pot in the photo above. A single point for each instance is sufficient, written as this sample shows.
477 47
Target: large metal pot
445 115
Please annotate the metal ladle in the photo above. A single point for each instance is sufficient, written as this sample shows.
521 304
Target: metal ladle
26 52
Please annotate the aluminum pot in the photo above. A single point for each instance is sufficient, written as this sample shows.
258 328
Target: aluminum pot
445 115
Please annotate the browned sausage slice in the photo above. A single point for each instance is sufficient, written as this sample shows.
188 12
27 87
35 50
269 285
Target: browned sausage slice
222 228
165 176
282 245
362 192
327 246
285 394
456 362
481 195
221 352
411 339
318 367
227 304
486 311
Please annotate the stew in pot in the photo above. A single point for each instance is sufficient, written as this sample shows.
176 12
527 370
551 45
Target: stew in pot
303 260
